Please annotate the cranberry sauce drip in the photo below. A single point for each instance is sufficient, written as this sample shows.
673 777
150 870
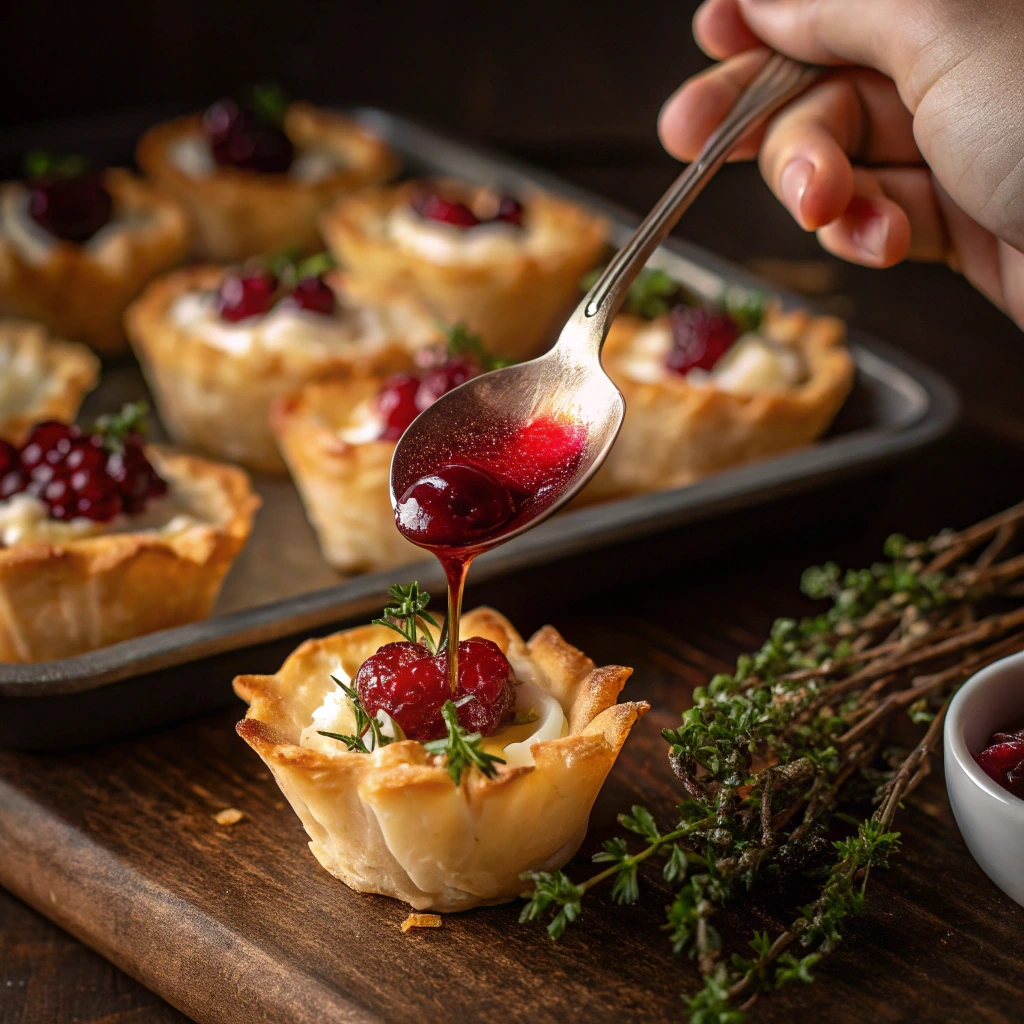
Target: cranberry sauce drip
71 207
77 475
246 293
469 501
243 138
411 685
431 205
405 395
700 337
1003 760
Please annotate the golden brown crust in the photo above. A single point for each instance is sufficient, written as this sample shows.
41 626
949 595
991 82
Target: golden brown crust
514 304
59 600
220 401
676 432
343 486
238 213
392 822
66 372
80 292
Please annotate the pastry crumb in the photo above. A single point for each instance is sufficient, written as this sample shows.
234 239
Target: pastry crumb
229 816
421 921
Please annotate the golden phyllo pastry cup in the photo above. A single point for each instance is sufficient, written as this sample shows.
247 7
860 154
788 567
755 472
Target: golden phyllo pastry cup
676 432
344 485
515 303
62 599
393 822
41 378
238 213
220 400
80 291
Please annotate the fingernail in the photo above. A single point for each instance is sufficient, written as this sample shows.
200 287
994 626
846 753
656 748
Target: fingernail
870 229
796 176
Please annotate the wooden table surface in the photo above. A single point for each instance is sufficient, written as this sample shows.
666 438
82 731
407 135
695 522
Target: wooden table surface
939 942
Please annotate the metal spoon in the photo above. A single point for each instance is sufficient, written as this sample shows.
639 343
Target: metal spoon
569 381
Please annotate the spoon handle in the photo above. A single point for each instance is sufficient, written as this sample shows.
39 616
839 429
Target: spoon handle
779 80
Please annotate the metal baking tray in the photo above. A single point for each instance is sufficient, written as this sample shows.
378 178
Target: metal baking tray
281 586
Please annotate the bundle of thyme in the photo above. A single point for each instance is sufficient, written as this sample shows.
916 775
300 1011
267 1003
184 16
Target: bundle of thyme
772 758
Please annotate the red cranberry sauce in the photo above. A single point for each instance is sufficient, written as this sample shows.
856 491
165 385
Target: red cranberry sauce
80 475
430 204
468 502
71 207
700 337
246 139
1003 760
411 685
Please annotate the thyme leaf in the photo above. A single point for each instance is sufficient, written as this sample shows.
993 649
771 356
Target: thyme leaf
408 616
365 723
462 749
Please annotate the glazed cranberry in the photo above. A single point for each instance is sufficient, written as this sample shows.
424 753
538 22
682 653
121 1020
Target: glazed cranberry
49 441
135 479
484 673
404 680
72 208
439 380
12 478
432 206
314 295
240 138
510 210
455 506
411 685
246 294
397 405
699 338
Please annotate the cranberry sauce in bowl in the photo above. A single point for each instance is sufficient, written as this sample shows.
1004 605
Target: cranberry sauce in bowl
982 776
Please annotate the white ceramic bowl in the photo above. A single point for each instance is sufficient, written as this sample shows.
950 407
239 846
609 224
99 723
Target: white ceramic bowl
991 820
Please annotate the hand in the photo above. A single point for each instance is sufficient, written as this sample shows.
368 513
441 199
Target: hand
912 147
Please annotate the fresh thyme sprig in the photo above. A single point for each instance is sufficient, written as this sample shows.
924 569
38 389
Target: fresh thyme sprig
290 266
773 755
462 749
40 164
408 616
132 418
461 341
365 723
269 101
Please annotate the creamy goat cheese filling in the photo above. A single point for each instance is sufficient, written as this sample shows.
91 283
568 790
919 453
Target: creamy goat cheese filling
286 326
192 155
34 243
752 364
445 243
25 519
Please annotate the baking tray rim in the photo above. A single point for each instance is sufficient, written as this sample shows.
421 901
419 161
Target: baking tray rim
575 530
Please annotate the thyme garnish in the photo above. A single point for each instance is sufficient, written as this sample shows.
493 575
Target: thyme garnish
408 616
461 341
773 755
365 723
40 164
115 427
462 749
269 102
290 266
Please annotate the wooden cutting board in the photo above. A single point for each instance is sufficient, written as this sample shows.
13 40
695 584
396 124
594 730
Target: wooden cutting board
239 924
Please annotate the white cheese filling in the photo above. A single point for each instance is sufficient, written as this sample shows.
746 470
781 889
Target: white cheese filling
192 155
445 243
752 365
25 519
34 243
286 326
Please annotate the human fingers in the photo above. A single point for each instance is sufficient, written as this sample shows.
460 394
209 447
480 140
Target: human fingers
720 30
